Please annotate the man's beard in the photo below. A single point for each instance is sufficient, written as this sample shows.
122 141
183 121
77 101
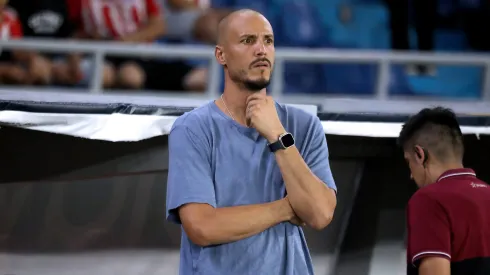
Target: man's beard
255 85
251 85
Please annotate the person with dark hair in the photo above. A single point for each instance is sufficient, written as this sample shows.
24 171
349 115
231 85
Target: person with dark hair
49 19
448 218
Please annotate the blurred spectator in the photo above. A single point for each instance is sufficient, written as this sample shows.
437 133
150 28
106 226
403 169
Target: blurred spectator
128 21
193 20
11 69
425 24
49 19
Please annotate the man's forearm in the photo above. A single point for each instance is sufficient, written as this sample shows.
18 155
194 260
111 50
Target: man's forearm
310 198
229 224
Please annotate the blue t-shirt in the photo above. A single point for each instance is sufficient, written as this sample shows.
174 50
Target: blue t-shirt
217 161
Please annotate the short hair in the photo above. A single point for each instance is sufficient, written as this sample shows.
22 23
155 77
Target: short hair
437 130
225 21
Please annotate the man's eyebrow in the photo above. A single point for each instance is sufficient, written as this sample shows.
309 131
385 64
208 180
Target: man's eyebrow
248 35
268 35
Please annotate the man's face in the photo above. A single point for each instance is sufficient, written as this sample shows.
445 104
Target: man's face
249 51
417 170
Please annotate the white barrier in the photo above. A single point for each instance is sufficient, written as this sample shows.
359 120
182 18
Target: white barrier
384 59
123 127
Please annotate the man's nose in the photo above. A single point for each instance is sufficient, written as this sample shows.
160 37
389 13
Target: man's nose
260 49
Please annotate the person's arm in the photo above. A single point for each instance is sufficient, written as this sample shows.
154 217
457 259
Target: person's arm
309 181
154 28
206 225
191 197
429 236
435 266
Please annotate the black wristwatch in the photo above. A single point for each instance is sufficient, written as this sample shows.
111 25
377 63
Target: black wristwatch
284 141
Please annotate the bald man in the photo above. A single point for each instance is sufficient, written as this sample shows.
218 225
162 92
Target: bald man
245 173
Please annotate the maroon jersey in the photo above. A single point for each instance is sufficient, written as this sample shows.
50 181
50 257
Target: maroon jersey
451 218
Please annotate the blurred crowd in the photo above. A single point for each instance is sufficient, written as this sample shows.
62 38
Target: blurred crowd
424 25
128 21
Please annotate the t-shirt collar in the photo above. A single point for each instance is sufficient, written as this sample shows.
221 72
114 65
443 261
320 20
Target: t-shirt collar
457 172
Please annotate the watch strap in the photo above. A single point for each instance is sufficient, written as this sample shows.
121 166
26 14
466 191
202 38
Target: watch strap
275 146
280 143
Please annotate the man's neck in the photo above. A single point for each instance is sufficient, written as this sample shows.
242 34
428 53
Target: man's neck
443 168
235 102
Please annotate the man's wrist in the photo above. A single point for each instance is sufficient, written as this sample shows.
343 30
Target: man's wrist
274 136
283 210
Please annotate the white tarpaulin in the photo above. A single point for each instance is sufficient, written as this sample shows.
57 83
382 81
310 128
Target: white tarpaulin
122 127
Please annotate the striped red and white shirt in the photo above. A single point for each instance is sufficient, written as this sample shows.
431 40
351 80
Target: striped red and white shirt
10 26
112 18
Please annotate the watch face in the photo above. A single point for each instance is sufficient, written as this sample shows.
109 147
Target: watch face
287 140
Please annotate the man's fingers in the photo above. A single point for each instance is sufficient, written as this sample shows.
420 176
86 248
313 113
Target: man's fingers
251 109
255 96
254 102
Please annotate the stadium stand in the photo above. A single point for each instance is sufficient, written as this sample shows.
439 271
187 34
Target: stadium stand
339 25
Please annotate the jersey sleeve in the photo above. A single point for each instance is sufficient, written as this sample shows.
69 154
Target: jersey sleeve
190 177
316 153
13 23
16 29
429 233
153 7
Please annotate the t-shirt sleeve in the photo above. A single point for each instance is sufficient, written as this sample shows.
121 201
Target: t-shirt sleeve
316 154
189 173
429 232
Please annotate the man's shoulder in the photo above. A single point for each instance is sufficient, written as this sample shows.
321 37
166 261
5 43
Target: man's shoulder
427 194
194 119
294 110
293 113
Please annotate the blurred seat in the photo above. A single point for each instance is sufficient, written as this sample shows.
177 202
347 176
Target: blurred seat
300 26
450 40
451 81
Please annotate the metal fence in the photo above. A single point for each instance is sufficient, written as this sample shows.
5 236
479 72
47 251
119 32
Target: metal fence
384 59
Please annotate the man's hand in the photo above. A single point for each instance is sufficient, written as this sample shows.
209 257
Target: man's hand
74 70
262 115
294 219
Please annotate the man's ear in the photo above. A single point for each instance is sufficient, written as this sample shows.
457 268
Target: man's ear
220 55
420 154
